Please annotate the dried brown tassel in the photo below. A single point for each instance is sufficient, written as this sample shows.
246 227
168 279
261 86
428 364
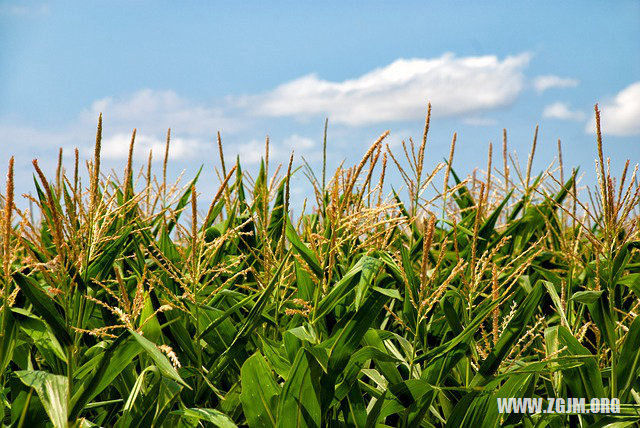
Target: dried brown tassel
7 228
57 223
426 247
164 163
148 177
128 173
59 171
489 168
531 155
494 297
420 162
95 178
194 213
505 164
561 164
221 153
447 171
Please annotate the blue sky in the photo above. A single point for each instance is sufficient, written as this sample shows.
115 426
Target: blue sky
249 69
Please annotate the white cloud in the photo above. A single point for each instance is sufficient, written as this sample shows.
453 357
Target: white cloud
479 121
400 91
23 9
542 83
620 115
27 138
193 126
560 110
252 151
155 111
117 147
297 142
466 87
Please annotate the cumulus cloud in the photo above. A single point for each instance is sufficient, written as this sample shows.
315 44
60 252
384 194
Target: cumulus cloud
152 112
400 90
117 147
620 115
560 110
253 150
297 142
542 83
466 87
155 111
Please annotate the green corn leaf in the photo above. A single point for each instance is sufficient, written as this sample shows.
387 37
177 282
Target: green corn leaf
487 228
374 413
629 361
341 289
511 334
260 392
299 404
451 314
248 325
41 335
586 297
370 268
357 408
515 386
52 391
599 310
44 306
389 371
99 268
149 378
348 336
277 219
8 339
463 337
159 358
551 289
213 416
182 202
621 260
119 356
307 255
87 390
585 380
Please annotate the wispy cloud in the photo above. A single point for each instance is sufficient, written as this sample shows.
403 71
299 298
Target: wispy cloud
153 111
193 127
542 83
479 121
560 110
117 147
298 142
620 115
24 9
400 91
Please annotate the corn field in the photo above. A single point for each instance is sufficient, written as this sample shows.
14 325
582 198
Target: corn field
126 302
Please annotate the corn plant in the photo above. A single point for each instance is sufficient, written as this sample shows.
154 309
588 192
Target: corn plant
127 303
